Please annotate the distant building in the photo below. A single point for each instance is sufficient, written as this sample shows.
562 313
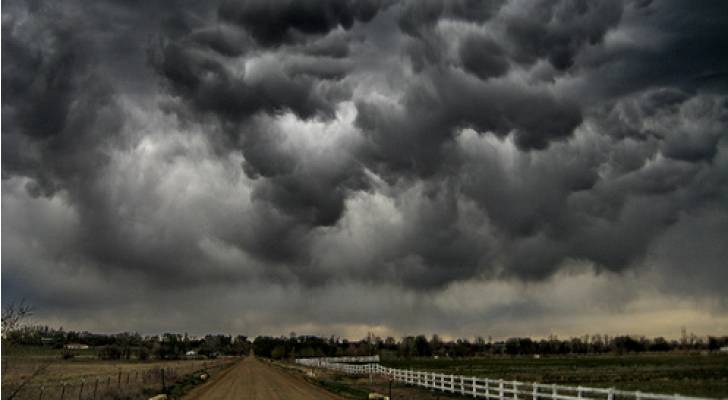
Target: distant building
724 349
191 353
47 340
75 346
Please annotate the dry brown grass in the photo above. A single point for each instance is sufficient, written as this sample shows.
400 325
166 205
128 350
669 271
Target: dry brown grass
110 379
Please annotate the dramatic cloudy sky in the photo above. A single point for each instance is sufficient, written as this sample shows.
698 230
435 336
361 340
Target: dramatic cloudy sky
519 167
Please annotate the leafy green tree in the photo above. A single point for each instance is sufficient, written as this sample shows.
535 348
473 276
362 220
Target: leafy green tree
279 352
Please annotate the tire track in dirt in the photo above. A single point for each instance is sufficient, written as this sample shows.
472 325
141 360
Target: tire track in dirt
252 379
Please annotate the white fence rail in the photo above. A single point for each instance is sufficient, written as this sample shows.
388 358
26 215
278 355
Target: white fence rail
497 389
317 360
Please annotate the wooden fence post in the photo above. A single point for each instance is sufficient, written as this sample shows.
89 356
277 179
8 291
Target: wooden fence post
500 389
515 390
163 385
96 386
63 390
535 391
475 390
118 382
42 389
80 390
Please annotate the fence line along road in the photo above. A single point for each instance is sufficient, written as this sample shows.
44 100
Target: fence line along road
497 389
314 361
127 384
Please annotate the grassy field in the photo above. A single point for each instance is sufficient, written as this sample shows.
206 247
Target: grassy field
45 352
44 367
687 374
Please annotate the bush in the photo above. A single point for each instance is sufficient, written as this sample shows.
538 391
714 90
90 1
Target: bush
110 353
143 353
278 352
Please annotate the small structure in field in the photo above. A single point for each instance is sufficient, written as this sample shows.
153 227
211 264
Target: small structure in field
75 346
724 349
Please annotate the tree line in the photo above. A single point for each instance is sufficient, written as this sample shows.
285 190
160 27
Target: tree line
174 345
126 345
421 346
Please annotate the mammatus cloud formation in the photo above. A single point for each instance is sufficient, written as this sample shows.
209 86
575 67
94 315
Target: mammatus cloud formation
461 167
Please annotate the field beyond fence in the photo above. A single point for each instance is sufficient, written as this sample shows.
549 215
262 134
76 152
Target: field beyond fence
705 376
78 380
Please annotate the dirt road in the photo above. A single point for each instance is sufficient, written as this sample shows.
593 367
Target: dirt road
254 379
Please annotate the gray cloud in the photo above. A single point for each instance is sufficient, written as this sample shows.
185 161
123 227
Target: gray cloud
274 23
308 146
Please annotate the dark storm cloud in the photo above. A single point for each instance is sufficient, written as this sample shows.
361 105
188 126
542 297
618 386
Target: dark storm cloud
207 83
417 143
483 57
421 15
54 97
557 30
432 111
273 23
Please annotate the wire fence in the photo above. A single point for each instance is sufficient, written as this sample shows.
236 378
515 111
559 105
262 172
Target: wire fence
124 384
496 389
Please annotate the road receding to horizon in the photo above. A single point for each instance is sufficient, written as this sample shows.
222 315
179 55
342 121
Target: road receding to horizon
252 379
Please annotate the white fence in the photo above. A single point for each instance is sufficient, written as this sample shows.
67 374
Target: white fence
497 389
316 361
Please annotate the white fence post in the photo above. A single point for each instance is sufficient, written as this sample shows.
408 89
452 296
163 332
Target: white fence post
446 383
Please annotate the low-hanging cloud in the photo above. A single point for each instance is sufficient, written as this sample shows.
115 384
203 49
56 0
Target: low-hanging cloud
315 145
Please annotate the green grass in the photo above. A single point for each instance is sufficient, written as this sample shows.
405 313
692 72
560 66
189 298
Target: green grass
185 384
687 374
338 386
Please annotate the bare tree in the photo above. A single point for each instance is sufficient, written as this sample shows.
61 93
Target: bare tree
14 317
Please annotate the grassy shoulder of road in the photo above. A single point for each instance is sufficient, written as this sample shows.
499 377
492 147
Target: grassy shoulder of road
360 387
190 381
691 374
335 383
